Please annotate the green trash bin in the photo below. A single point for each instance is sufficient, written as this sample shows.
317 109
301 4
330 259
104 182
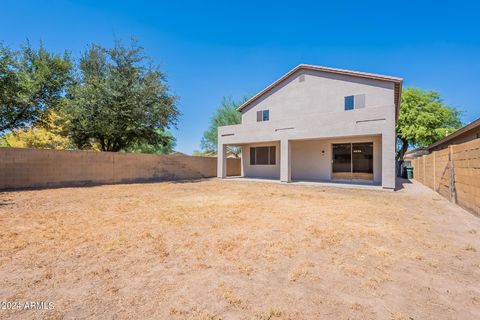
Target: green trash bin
409 173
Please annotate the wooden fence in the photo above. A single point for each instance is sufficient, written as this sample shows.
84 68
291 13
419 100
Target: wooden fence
454 173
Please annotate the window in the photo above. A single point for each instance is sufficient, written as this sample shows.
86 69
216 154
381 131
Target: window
272 155
263 115
262 155
359 101
355 102
252 156
266 115
349 103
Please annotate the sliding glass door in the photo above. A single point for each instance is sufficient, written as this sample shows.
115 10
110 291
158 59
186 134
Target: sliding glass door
362 161
342 161
352 161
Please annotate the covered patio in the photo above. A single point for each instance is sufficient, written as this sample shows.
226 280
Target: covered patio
344 161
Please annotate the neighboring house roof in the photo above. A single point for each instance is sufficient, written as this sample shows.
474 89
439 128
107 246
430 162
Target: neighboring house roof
177 153
415 153
472 125
395 80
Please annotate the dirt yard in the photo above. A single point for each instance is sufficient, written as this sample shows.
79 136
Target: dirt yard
238 250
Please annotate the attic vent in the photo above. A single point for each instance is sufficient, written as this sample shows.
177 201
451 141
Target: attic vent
301 78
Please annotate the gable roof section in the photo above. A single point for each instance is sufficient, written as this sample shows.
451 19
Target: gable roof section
397 82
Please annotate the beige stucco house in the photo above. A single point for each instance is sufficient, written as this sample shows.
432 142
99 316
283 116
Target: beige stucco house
318 124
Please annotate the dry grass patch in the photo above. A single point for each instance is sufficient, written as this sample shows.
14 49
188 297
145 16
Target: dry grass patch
229 294
300 271
470 248
268 315
224 249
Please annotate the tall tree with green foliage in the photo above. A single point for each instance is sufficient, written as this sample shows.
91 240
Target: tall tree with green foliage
424 119
32 81
165 145
119 100
225 115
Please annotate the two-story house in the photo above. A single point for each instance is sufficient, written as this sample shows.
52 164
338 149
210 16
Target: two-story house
318 124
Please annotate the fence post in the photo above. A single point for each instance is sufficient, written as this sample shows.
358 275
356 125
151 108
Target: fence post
434 173
423 157
453 192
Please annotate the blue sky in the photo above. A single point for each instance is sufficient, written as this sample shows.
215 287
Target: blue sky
234 48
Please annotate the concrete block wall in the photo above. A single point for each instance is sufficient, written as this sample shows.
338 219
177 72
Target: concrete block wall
36 168
454 173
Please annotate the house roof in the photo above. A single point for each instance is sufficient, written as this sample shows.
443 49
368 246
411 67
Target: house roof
395 80
415 153
472 125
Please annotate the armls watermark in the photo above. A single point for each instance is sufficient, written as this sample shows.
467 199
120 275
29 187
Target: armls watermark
27 305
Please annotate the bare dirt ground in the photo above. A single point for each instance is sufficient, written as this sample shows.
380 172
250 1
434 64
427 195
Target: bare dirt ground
216 249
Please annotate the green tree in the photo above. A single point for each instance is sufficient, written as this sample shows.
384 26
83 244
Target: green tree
424 119
199 153
119 100
32 81
225 115
166 144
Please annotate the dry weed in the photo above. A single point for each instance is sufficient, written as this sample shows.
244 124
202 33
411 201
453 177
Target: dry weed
268 315
300 271
229 295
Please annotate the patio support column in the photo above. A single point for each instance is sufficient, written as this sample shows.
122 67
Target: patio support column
388 160
242 161
222 161
285 160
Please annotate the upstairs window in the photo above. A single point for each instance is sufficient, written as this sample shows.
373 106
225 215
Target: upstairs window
355 102
266 115
263 115
262 155
349 101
